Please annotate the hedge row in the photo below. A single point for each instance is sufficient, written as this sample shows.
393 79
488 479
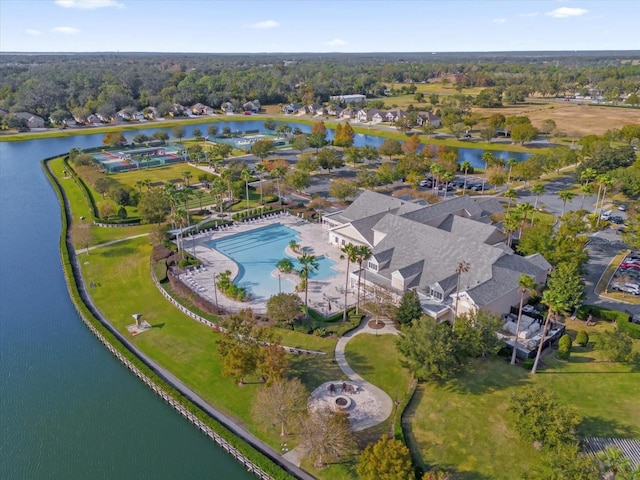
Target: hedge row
603 313
260 460
622 319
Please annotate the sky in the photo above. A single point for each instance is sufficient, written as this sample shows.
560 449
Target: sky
243 26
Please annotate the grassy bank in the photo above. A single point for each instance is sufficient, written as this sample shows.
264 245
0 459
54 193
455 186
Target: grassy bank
463 424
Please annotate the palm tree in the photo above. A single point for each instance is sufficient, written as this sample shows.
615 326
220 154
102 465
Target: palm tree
139 184
586 189
465 167
587 175
186 175
509 225
510 194
278 173
246 176
349 252
285 265
199 194
462 267
309 264
446 178
527 285
260 168
565 195
523 209
180 218
488 158
362 253
436 170
511 162
538 190
227 176
555 303
147 183
294 246
604 181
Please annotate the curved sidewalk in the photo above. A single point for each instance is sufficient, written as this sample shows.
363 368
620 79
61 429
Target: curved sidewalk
386 404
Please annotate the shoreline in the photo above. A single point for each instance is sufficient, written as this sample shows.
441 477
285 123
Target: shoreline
246 444
377 131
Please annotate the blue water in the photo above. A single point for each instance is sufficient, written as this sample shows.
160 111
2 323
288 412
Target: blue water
473 155
257 252
68 408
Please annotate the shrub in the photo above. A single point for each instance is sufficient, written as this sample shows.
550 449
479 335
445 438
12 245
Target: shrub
603 313
160 270
582 338
631 329
527 364
617 346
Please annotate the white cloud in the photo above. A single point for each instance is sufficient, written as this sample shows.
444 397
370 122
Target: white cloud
336 43
566 12
265 24
499 20
525 15
65 30
88 4
31 31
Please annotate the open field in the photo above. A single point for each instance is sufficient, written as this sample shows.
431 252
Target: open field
463 424
573 120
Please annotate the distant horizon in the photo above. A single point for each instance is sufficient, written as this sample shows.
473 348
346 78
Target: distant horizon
328 26
416 52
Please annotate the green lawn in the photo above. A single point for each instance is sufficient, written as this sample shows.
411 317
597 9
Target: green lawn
74 193
156 174
376 359
462 425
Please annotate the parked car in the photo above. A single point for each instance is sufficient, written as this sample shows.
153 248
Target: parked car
634 266
616 219
622 208
605 215
632 288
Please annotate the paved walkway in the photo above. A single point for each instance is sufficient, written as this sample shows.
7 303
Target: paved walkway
379 405
84 250
384 400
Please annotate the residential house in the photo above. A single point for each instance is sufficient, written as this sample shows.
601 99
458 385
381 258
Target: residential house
347 114
93 120
394 115
105 118
315 109
334 111
428 118
252 106
370 116
291 108
228 108
124 114
201 109
150 113
33 121
418 247
177 110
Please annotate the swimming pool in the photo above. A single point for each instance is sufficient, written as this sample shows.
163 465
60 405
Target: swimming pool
258 251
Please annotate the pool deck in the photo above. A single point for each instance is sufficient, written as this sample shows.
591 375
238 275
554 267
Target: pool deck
313 238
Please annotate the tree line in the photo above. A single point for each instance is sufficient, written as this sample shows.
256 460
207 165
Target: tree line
58 85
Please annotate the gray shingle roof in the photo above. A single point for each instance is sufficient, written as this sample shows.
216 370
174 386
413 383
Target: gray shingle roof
370 203
440 251
505 274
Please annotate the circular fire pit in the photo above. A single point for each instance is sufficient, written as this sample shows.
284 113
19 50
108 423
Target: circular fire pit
343 403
